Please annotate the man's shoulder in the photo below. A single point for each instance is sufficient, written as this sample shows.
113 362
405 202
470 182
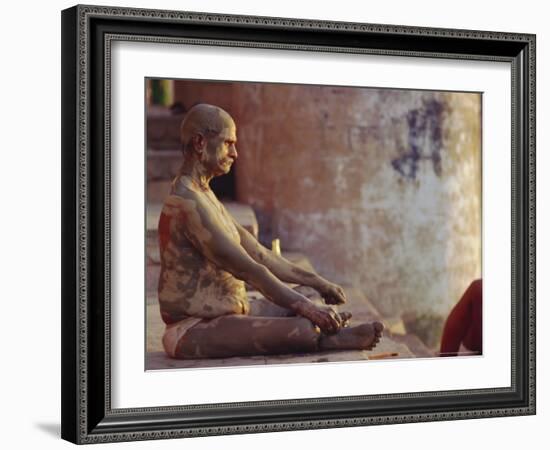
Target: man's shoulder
186 201
184 187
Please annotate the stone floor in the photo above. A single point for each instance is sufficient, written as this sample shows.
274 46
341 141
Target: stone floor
159 360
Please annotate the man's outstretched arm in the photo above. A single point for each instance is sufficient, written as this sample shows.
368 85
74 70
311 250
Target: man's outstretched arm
202 227
287 271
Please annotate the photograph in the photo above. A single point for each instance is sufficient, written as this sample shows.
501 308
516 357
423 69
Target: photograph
295 223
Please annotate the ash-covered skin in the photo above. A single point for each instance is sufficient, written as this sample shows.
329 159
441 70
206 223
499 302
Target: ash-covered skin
206 257
190 284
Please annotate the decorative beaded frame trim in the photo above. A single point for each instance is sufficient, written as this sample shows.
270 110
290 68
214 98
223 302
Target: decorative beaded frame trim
87 12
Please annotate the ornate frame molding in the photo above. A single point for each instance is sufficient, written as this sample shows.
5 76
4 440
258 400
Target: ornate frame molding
88 32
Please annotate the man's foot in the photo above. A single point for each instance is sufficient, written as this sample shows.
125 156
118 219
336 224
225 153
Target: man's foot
360 337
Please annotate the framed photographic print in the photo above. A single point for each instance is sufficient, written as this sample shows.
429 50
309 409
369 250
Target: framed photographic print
338 218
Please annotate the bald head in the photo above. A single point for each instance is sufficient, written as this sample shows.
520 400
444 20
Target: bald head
203 119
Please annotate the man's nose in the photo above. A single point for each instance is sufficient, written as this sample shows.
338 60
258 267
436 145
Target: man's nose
233 152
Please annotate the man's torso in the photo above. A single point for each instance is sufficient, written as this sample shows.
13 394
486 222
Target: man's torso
190 284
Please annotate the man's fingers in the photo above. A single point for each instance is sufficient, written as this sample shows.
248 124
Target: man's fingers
338 297
329 320
329 323
342 296
345 316
336 300
334 321
336 317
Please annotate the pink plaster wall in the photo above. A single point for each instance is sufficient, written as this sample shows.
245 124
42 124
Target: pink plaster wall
379 188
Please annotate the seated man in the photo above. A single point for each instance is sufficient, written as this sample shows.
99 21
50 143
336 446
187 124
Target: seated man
206 258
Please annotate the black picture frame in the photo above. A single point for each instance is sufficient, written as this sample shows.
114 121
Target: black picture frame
87 416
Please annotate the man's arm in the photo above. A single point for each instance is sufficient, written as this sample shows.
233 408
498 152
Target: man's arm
201 226
287 271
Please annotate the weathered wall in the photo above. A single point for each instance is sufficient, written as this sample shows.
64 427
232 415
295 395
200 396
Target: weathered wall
380 188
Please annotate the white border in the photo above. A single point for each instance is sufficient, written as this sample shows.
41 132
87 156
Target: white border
133 387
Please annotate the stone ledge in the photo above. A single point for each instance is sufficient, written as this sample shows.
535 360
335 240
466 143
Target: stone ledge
415 344
163 164
163 130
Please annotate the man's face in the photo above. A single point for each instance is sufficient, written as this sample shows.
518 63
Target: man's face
221 151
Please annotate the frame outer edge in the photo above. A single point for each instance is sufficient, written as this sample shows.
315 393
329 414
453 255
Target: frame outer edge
531 142
295 23
76 239
69 345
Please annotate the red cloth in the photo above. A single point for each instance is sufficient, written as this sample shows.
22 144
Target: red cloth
464 324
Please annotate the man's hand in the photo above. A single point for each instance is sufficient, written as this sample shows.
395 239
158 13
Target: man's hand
332 294
328 320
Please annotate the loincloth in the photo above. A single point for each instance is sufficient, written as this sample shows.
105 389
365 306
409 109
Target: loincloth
175 331
258 306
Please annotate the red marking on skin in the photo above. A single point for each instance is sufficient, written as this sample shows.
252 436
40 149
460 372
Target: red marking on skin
167 318
164 231
182 217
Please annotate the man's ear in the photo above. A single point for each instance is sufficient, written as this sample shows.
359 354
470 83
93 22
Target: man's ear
199 142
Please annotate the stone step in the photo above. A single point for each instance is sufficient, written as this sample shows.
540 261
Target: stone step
153 215
360 306
397 329
163 131
415 344
163 165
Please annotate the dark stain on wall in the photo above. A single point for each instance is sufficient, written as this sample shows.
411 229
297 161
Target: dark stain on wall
424 140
